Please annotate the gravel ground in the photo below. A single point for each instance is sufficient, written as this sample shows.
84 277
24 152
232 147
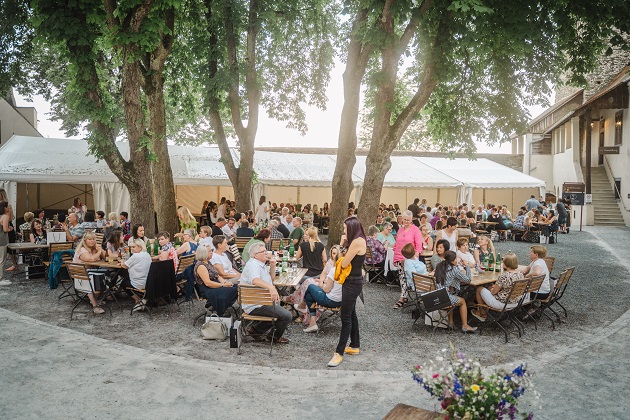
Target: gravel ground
595 298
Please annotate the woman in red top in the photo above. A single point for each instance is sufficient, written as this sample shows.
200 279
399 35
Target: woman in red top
408 233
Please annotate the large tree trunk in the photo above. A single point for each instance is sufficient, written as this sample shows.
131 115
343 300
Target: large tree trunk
342 184
379 163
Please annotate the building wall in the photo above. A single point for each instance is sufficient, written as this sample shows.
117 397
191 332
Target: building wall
12 122
617 165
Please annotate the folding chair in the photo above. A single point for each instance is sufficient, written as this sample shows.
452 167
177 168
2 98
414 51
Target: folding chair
422 284
254 295
237 260
437 300
275 243
328 314
240 242
550 262
66 284
496 316
184 262
555 295
84 285
377 270
532 287
161 283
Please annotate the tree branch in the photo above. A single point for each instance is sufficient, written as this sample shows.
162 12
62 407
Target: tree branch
233 95
251 79
412 27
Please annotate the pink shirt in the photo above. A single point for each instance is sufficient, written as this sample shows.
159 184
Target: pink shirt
411 235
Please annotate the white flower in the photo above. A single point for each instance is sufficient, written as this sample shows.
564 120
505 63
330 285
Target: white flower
439 358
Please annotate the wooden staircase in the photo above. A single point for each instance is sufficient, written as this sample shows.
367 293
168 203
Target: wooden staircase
606 207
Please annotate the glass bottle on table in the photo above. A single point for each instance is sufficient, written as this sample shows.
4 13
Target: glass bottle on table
498 266
491 262
291 250
156 247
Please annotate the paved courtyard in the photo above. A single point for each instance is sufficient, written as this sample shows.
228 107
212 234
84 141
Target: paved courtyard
87 368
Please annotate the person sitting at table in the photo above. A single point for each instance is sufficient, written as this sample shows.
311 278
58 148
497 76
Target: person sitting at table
137 232
111 225
89 251
221 294
327 295
274 232
497 295
551 224
41 215
244 231
313 254
441 247
115 243
464 257
448 276
264 236
538 267
385 236
485 247
28 221
519 222
297 234
229 230
204 237
100 219
426 237
221 261
378 250
167 250
89 221
449 232
74 231
379 222
125 224
38 233
188 246
412 264
279 227
256 273
307 218
135 271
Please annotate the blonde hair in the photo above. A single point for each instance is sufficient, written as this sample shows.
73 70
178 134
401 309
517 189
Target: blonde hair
137 242
312 237
490 244
539 250
112 216
510 261
205 229
185 215
87 235
28 217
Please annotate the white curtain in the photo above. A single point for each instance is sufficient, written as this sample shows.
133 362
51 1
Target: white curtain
111 197
10 187
464 194
542 191
258 190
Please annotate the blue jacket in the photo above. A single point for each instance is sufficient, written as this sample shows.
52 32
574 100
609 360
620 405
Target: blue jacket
55 265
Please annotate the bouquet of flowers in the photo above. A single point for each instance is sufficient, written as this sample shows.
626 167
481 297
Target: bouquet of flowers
465 392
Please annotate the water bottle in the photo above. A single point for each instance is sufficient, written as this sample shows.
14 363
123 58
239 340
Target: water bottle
285 262
497 265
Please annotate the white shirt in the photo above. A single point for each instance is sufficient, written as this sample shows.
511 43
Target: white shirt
467 257
229 233
221 211
223 260
545 287
262 212
207 242
139 265
335 292
254 269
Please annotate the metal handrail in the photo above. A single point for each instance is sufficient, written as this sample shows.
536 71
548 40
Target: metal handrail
615 184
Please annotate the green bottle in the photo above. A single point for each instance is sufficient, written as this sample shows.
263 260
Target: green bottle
484 263
285 262
498 264
291 250
281 246
491 262
156 247
177 242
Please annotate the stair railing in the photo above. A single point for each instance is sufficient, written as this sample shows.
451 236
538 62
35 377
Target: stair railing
615 184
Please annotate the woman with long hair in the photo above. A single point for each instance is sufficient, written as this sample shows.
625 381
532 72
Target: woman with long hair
448 276
262 211
408 233
352 286
89 250
5 217
222 207
313 253
485 248
186 220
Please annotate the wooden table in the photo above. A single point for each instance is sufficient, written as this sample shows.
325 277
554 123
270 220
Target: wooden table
25 246
103 264
488 277
290 279
407 412
291 260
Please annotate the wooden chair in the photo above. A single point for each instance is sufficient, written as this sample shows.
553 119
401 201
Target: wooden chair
378 271
65 283
422 284
533 287
328 314
496 316
184 262
240 242
100 237
84 285
237 260
550 261
428 264
275 243
254 295
555 295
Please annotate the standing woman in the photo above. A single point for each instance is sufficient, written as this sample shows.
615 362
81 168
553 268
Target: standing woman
407 234
222 207
355 256
5 216
262 211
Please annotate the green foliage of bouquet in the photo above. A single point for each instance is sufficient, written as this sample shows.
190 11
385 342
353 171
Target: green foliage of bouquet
466 392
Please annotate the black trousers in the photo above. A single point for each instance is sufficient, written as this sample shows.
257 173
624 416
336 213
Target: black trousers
349 322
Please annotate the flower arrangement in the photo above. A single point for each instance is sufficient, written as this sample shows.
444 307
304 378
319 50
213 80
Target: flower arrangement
465 392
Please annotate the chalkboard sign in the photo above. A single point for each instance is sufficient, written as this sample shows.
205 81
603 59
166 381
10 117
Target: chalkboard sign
576 198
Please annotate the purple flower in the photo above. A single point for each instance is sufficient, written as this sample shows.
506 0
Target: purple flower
519 371
458 389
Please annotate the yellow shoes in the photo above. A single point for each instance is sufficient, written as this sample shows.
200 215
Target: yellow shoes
335 361
350 350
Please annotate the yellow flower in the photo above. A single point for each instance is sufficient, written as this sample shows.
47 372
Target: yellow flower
475 388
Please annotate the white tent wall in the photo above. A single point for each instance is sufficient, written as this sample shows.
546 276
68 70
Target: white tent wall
112 197
315 195
514 198
193 196
52 196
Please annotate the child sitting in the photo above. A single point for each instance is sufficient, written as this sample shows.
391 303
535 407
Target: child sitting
412 264
167 250
464 257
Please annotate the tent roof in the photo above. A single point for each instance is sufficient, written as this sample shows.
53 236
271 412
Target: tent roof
48 160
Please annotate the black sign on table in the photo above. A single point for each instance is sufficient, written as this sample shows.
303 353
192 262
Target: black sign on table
576 198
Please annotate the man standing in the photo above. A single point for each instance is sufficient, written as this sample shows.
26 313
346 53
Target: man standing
256 273
414 208
297 233
532 203
74 231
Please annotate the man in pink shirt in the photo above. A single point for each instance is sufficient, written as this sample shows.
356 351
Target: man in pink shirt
408 233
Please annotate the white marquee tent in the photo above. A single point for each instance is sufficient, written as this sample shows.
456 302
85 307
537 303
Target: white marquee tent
66 161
